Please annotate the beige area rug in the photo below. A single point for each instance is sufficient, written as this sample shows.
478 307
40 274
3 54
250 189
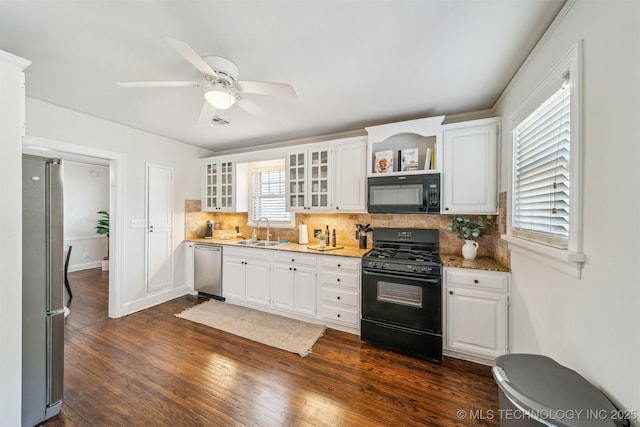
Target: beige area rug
281 332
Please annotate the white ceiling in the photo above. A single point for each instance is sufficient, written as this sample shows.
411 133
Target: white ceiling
353 63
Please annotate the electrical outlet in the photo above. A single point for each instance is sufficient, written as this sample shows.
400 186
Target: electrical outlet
137 223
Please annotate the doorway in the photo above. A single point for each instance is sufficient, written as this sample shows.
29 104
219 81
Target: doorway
86 200
115 161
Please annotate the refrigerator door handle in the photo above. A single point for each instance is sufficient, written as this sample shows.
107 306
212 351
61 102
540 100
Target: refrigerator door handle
55 237
55 359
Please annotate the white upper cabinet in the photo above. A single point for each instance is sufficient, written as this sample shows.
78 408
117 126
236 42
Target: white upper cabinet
349 184
219 185
224 186
402 148
308 176
469 170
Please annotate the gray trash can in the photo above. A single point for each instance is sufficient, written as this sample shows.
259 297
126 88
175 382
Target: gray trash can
537 391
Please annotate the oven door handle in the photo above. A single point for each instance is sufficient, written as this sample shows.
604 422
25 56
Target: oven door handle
390 276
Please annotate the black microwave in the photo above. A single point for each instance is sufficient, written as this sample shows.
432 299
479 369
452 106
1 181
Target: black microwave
404 194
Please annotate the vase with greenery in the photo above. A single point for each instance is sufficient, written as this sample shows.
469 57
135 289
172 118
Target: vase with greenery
322 238
103 228
468 229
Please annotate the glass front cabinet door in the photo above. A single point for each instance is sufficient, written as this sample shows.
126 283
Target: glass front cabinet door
218 190
308 180
296 177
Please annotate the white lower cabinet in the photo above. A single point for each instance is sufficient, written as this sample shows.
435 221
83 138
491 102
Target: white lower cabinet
476 310
339 292
318 288
245 275
294 282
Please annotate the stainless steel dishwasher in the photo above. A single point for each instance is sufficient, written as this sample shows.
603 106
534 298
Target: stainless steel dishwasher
208 270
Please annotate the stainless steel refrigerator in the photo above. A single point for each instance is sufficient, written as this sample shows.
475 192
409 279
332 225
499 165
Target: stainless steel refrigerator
42 289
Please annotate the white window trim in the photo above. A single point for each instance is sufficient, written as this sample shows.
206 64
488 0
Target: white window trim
265 166
572 259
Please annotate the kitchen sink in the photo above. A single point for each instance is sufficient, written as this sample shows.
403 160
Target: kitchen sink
246 242
258 243
267 243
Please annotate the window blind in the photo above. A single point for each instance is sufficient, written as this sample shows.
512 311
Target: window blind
542 165
269 196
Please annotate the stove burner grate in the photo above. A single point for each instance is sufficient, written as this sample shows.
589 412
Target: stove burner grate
383 253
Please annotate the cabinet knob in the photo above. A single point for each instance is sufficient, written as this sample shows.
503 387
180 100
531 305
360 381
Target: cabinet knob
475 281
293 260
290 268
446 209
295 269
338 279
337 207
338 265
338 297
338 315
450 292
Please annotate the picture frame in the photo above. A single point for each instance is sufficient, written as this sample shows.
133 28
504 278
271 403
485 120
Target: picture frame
409 159
383 162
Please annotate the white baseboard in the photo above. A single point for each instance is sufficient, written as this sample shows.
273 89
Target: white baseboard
155 299
468 357
85 266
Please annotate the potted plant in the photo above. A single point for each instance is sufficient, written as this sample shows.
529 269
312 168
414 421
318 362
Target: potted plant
103 228
468 229
322 238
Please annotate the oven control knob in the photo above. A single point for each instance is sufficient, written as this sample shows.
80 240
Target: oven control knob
385 265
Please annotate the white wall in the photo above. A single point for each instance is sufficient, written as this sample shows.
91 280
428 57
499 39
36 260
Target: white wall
11 78
59 124
591 324
86 191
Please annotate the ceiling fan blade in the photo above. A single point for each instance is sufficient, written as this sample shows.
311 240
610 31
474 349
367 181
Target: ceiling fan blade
158 84
206 116
251 108
192 56
267 88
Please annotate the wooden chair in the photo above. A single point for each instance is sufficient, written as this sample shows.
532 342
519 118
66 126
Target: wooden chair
67 255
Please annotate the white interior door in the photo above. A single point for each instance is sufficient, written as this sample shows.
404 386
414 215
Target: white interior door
159 227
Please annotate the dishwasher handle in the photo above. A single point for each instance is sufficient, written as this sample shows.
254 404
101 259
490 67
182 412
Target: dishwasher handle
208 248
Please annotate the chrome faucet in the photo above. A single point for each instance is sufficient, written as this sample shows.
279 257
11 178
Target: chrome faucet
258 226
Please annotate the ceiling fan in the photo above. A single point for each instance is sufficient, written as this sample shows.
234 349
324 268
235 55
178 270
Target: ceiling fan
220 78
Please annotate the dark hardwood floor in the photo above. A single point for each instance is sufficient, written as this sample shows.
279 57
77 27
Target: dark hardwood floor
153 369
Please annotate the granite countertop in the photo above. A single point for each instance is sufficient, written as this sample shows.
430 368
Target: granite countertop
346 251
480 263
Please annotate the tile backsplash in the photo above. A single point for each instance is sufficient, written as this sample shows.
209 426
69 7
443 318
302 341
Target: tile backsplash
345 225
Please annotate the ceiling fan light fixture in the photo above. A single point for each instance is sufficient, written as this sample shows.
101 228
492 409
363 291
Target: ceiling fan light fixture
220 98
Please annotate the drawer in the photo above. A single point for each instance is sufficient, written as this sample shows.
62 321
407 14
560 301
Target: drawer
340 296
335 314
348 264
478 279
338 278
295 258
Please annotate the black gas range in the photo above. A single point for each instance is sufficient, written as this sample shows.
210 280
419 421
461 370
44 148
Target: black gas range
402 292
